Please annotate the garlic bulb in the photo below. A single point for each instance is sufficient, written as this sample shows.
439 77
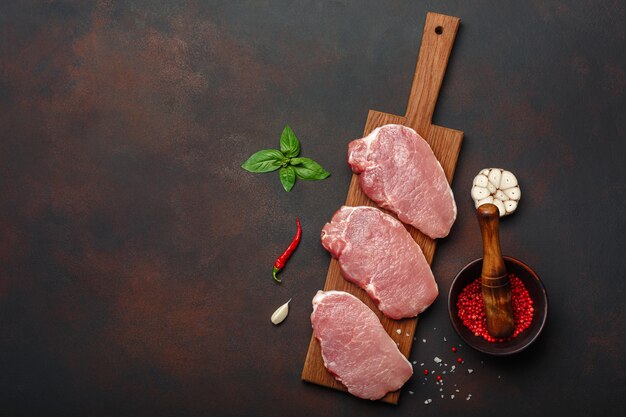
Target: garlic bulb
281 313
498 187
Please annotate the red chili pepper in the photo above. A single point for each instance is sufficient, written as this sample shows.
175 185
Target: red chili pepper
282 259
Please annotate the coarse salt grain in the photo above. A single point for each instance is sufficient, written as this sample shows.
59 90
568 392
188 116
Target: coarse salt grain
469 371
423 340
445 340
452 397
399 331
422 364
407 335
437 359
411 392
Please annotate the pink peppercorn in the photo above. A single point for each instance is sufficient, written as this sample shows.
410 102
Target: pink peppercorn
472 309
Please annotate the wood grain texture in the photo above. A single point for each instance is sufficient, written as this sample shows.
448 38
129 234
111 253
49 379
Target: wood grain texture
446 144
496 285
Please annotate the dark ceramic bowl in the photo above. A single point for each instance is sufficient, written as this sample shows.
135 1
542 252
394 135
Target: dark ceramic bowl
536 291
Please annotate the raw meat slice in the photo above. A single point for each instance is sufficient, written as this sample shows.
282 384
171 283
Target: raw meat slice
399 171
377 253
356 349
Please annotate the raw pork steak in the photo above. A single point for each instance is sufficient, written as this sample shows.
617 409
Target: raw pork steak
355 347
377 253
399 171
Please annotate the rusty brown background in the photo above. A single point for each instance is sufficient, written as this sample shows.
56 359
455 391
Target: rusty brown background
135 254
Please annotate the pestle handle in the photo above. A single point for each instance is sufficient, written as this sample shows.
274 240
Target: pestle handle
489 219
496 286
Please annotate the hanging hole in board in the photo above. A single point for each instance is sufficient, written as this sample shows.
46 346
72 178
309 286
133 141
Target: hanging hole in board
438 30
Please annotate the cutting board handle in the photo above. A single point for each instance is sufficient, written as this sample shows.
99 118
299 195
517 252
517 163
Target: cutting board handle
437 42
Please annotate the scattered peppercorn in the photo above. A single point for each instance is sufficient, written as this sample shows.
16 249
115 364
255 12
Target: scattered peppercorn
438 377
459 360
472 309
453 349
425 371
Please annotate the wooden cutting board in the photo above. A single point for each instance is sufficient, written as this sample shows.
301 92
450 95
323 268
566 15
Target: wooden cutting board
437 41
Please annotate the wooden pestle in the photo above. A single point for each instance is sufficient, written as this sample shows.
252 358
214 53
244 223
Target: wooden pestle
496 285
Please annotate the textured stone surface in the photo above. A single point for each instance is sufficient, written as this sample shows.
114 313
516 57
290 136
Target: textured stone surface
136 255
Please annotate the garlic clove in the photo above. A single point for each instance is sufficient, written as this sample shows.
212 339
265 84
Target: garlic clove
492 188
281 313
485 172
481 181
500 195
484 201
494 177
513 193
478 193
510 206
500 206
508 180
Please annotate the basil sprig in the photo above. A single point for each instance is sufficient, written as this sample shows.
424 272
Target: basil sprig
291 166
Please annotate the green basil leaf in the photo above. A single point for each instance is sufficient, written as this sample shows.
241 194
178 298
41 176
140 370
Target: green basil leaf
287 177
308 169
289 143
266 160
